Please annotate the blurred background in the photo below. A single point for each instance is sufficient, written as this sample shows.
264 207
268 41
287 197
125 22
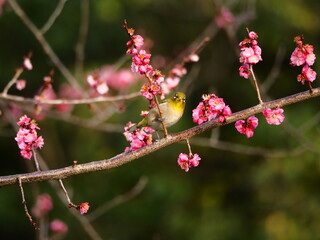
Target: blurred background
265 187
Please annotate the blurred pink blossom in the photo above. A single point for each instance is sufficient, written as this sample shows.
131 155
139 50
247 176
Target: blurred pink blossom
42 206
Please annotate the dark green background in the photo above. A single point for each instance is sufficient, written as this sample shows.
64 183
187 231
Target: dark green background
230 195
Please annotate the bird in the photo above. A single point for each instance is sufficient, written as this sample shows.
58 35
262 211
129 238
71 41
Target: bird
171 111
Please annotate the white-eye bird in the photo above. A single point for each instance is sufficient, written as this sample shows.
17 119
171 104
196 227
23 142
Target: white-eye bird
171 110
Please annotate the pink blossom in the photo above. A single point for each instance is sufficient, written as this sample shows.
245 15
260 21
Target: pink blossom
274 117
27 138
20 84
140 62
67 91
244 71
250 54
42 206
186 161
84 207
183 161
136 41
308 73
149 91
195 160
224 18
102 88
138 138
27 63
253 35
169 84
98 84
173 80
303 54
194 58
247 126
121 80
58 226
210 107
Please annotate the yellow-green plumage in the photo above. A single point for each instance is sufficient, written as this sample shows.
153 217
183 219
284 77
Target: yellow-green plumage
171 109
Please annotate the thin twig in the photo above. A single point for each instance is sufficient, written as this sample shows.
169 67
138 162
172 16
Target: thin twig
256 84
310 87
82 37
12 81
36 163
70 204
55 14
126 157
189 147
24 202
15 98
44 44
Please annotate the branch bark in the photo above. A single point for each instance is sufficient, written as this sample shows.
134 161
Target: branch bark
126 157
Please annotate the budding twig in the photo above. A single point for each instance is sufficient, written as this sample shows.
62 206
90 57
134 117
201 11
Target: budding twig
189 147
256 84
12 81
70 204
310 87
35 160
24 202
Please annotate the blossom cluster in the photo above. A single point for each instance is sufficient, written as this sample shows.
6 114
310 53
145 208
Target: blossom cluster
303 55
209 108
186 161
27 137
141 64
138 138
140 57
247 126
250 54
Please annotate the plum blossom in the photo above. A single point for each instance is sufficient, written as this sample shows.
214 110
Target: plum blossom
224 18
100 86
274 117
138 138
250 54
303 55
58 226
27 63
42 206
21 84
247 126
27 137
84 207
209 108
173 80
186 161
67 91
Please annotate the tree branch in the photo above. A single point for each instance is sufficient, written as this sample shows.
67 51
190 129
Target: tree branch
15 98
126 157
